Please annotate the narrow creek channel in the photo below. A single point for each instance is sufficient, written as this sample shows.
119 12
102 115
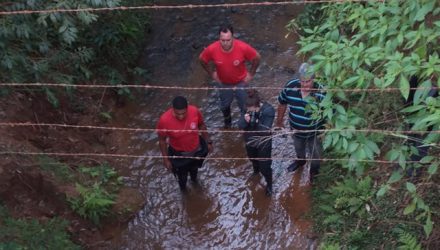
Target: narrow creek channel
230 209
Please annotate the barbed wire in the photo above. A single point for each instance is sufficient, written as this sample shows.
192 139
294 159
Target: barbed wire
168 7
275 130
147 86
192 157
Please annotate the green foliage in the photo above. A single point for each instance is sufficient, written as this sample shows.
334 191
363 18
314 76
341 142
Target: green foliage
70 47
376 45
97 192
408 242
93 203
60 170
31 234
102 174
107 116
347 199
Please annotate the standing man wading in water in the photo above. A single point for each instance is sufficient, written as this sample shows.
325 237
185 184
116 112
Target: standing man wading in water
229 56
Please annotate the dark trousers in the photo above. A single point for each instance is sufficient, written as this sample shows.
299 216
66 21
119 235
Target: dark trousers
261 150
227 95
182 173
184 166
314 146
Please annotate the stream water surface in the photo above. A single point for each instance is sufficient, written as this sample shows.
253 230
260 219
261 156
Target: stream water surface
229 210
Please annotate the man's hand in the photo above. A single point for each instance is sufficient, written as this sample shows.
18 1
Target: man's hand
248 77
247 117
215 76
167 164
210 147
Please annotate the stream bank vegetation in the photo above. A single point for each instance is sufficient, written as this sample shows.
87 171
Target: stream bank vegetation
64 48
378 197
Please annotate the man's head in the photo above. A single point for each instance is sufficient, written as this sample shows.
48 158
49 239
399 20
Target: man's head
180 106
226 37
253 100
306 75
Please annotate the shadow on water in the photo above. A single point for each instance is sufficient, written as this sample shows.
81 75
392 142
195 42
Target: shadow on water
228 209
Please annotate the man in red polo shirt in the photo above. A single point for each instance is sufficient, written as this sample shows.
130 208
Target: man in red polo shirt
180 125
229 56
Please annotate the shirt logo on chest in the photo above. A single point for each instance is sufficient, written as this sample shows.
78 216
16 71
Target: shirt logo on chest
236 62
193 125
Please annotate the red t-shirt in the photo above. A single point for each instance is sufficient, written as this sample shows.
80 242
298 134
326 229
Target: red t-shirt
230 66
182 140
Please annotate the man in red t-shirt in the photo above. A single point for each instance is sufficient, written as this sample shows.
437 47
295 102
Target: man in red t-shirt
229 56
180 125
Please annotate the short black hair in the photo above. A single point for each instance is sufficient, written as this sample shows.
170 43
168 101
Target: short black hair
180 102
226 28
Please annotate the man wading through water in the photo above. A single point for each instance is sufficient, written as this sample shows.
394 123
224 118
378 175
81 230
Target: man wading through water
298 94
229 56
259 117
183 122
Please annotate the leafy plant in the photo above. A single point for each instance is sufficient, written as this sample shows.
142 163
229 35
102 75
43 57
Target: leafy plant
71 47
377 45
408 242
31 234
93 203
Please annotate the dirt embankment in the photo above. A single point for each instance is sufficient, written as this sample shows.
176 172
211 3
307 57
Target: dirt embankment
27 191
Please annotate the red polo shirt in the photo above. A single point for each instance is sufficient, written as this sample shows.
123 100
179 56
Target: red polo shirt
182 140
230 66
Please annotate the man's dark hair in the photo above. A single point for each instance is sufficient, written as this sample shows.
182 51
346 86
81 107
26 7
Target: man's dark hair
253 98
226 28
180 102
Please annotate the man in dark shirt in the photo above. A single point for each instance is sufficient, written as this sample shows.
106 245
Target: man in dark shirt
298 94
259 117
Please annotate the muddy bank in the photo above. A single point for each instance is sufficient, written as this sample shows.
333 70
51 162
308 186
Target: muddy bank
28 191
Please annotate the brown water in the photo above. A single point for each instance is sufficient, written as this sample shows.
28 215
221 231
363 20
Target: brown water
230 209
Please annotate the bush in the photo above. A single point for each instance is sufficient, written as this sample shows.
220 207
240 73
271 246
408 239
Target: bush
31 234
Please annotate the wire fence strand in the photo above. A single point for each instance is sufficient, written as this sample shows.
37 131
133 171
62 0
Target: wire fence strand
189 157
283 131
169 7
176 87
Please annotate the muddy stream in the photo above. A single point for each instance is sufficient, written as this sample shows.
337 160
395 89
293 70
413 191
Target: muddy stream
230 209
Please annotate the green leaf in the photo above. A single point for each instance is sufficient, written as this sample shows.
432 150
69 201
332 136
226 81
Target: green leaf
350 80
410 208
373 146
428 226
432 170
352 146
382 190
327 141
392 155
421 92
309 47
395 177
404 86
52 98
426 8
411 109
410 187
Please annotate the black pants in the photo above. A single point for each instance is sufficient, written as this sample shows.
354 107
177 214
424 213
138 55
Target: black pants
182 172
261 150
314 146
184 166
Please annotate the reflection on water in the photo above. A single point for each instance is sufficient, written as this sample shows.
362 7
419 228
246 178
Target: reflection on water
229 209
